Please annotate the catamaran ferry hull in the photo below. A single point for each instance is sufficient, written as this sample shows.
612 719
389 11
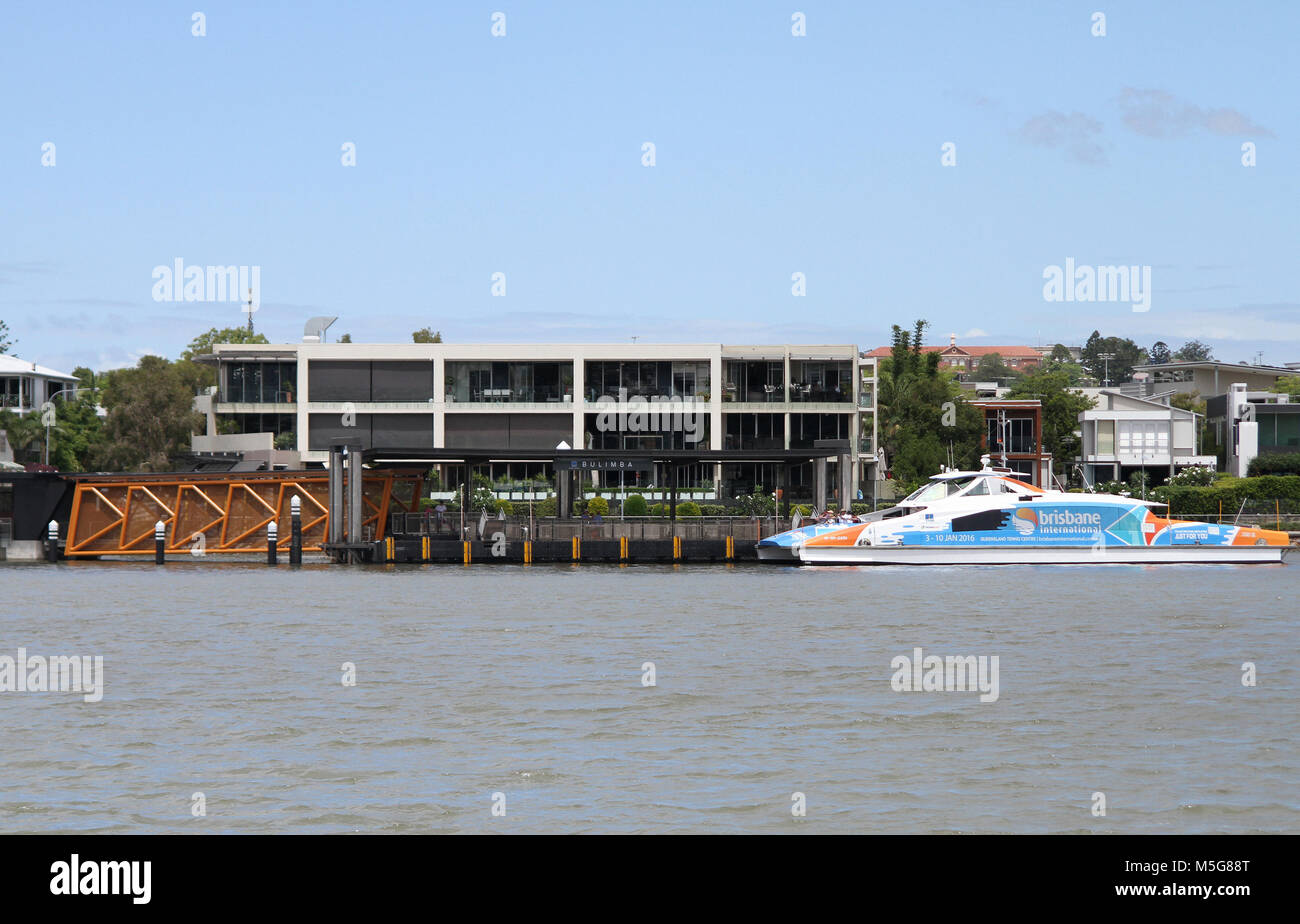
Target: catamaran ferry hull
1050 555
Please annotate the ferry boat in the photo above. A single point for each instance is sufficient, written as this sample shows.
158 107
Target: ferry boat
783 547
989 517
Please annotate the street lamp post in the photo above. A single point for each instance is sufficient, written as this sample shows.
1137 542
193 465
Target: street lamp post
1106 358
47 417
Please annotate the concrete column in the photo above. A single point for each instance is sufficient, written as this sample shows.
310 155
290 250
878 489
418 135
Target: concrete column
336 494
355 506
716 383
819 483
579 440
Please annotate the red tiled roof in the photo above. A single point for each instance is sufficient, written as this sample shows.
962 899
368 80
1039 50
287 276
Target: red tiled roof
1018 352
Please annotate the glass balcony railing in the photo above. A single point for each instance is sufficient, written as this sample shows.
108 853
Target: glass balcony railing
808 392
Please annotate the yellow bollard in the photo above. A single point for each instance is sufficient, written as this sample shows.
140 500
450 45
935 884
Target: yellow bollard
426 549
468 556
677 548
622 548
528 551
577 549
731 548
390 548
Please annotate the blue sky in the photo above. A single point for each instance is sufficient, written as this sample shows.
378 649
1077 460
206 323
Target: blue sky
774 154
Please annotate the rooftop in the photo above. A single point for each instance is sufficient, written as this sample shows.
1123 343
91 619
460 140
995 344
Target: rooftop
12 365
1215 364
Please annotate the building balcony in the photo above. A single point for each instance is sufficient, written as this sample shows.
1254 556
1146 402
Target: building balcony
803 393
254 407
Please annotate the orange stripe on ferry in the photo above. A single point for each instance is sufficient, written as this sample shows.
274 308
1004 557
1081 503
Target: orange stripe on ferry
846 536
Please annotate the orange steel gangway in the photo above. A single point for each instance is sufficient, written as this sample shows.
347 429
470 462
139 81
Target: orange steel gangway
220 511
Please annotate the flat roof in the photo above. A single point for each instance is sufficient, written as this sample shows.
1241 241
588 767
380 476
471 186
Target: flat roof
1215 364
683 456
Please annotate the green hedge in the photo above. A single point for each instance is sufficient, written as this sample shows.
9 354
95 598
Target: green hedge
688 509
1275 463
1228 492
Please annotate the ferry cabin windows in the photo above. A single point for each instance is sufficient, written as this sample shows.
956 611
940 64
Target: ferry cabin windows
937 490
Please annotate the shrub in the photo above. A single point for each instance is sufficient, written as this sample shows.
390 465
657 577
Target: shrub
658 510
598 506
635 506
1275 463
1198 475
713 510
1112 487
549 507
1138 482
1227 494
688 509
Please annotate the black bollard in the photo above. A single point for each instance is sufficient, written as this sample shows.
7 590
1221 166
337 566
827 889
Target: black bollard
272 534
52 542
159 542
295 533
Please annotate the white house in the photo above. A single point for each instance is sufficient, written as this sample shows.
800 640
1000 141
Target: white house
1125 433
25 386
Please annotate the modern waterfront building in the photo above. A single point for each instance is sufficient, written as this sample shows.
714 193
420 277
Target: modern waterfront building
1211 377
1125 433
1242 424
532 397
1013 436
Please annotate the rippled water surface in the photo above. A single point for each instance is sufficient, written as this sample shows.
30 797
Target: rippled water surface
224 679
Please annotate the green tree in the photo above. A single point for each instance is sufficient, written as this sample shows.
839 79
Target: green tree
150 416
992 367
5 343
1194 351
426 335
1286 385
203 343
1160 352
1060 354
346 338
200 376
1062 360
1126 354
1062 406
24 434
924 416
76 436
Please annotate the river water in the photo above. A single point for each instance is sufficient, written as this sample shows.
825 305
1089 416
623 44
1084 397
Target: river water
524 690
